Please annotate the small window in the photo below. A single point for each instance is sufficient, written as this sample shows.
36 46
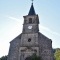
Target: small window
29 40
30 20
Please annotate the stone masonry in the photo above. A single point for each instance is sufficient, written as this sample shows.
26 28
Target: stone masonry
30 41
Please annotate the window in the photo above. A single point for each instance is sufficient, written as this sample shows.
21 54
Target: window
29 40
30 20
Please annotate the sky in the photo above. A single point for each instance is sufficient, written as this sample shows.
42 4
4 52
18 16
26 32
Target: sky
11 20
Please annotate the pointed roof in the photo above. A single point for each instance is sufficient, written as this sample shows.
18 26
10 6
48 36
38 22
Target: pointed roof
32 11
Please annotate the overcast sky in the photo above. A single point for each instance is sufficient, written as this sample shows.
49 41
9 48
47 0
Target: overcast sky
11 20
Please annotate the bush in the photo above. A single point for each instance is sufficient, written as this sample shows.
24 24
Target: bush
33 57
3 58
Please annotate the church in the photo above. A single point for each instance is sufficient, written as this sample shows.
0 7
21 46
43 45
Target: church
30 41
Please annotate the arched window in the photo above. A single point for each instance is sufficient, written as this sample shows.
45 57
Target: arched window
30 20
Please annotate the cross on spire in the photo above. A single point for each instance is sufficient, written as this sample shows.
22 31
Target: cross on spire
32 1
32 11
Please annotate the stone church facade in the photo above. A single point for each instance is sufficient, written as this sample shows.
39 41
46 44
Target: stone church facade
30 41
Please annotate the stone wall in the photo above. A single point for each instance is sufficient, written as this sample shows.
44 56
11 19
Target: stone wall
39 43
45 45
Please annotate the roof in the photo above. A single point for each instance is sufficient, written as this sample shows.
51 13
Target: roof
32 11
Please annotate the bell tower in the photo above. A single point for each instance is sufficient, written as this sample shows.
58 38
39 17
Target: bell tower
29 39
31 22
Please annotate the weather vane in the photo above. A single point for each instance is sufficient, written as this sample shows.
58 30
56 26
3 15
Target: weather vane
32 1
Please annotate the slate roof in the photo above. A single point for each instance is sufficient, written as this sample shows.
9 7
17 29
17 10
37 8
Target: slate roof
32 11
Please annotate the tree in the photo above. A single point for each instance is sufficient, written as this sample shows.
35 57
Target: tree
3 58
57 54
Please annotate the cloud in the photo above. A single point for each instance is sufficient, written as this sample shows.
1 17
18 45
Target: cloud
42 27
49 30
13 18
20 20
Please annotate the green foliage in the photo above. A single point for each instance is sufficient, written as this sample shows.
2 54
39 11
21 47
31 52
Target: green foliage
57 54
33 57
3 58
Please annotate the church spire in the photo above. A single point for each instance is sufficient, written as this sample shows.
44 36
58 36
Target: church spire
32 11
